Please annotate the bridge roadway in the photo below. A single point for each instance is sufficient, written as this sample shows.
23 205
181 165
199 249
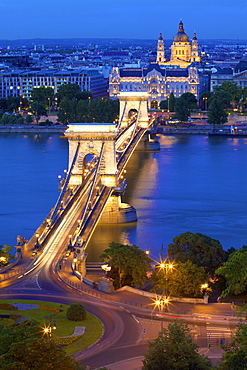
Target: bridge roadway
123 335
53 234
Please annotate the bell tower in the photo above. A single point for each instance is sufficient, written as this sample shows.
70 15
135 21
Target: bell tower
195 50
160 50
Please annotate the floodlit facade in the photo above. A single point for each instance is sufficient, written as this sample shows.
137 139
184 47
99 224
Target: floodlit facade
177 75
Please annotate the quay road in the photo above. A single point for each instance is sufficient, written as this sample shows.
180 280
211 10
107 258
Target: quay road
127 318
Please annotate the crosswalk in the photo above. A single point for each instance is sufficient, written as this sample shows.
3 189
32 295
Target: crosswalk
217 335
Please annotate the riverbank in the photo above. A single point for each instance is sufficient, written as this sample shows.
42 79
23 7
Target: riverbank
25 129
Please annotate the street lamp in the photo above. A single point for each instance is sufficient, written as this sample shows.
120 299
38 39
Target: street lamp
70 242
37 241
47 330
166 266
161 303
106 268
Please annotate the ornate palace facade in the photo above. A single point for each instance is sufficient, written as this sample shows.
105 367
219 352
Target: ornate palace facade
178 75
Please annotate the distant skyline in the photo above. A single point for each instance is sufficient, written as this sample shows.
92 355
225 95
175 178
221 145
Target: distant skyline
132 19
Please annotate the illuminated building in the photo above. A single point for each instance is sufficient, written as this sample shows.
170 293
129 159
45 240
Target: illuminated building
177 75
21 83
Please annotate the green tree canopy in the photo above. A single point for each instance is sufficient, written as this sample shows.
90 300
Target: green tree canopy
216 113
99 110
164 104
174 350
235 92
171 102
72 91
5 255
235 272
190 100
38 110
43 95
198 248
129 264
186 280
235 355
181 109
24 347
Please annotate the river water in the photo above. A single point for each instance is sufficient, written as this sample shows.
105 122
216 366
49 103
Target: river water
194 183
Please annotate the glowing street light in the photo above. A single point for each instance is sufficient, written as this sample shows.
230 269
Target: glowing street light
106 268
47 330
161 302
166 266
37 241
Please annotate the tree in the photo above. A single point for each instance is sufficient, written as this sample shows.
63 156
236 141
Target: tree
174 350
24 347
235 272
171 102
164 104
5 255
216 112
29 118
43 95
181 109
129 264
72 91
190 100
235 92
38 110
76 312
235 356
205 99
12 103
199 249
186 280
99 110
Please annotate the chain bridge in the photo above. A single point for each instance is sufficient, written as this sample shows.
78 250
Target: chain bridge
94 181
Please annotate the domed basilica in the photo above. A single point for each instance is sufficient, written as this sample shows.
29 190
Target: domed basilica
179 74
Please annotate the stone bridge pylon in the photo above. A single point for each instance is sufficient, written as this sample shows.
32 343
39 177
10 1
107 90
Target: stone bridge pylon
133 101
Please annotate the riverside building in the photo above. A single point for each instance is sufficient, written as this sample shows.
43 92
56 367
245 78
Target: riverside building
177 75
21 82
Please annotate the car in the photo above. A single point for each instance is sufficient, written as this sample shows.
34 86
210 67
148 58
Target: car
34 254
67 254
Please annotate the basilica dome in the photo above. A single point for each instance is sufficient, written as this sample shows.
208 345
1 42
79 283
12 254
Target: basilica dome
181 35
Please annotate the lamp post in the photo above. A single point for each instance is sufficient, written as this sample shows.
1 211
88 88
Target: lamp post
70 242
161 302
166 267
47 330
37 241
106 268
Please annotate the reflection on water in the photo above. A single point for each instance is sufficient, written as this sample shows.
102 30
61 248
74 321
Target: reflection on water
194 183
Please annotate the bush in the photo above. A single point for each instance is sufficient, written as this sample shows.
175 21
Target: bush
7 306
76 312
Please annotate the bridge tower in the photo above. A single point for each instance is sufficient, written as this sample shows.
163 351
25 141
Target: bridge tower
90 138
133 101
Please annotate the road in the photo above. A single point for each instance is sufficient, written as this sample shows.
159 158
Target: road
127 329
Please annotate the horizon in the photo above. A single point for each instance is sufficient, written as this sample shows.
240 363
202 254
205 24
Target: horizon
133 19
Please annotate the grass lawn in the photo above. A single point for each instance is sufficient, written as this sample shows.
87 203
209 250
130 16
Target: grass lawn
64 326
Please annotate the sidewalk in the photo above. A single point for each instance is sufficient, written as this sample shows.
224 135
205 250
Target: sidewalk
219 311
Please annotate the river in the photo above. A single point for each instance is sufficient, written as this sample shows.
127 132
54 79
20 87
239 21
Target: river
194 183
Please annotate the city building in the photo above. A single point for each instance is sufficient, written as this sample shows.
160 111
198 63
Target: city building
177 75
21 82
237 75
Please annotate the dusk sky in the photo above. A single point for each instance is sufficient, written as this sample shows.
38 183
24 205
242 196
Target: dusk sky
140 19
